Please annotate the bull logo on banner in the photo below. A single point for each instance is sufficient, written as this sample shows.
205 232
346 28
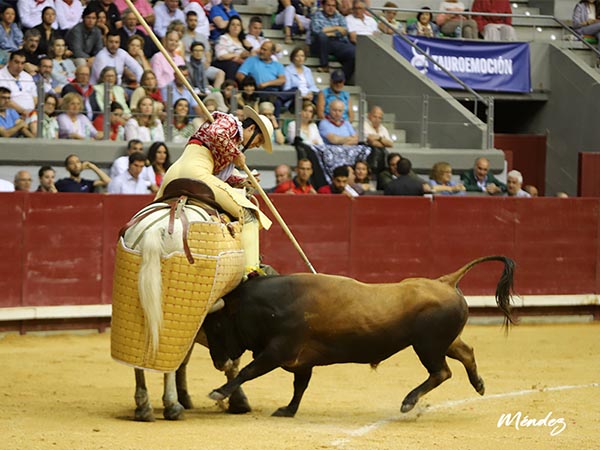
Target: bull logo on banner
419 61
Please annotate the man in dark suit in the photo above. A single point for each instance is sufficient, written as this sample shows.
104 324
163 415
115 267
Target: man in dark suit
479 179
404 184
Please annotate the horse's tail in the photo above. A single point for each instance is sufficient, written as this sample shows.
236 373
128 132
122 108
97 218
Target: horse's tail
504 289
150 285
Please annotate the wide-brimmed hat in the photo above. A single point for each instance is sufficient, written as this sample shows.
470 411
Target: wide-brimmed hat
264 124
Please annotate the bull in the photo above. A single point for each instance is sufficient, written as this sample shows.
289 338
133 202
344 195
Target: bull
300 321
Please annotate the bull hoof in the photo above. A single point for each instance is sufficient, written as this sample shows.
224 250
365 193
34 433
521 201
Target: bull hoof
216 395
173 412
283 412
144 414
407 406
238 403
480 388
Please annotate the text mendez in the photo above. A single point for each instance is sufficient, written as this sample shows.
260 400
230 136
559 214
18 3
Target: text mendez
558 425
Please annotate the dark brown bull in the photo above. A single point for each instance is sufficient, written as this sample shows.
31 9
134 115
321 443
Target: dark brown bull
300 321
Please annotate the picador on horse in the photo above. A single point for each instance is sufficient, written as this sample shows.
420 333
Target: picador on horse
179 255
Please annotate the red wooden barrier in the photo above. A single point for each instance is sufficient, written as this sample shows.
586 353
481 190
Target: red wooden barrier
588 181
59 249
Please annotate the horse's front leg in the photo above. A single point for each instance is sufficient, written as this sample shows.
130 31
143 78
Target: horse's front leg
143 410
173 408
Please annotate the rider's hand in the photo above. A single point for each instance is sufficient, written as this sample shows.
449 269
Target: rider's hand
240 160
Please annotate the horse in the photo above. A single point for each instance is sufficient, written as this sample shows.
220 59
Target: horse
157 231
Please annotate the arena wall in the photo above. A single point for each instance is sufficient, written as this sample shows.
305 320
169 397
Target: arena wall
59 249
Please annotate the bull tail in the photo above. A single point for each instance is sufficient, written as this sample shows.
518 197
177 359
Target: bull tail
504 288
150 285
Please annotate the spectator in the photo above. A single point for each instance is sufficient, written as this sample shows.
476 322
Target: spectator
121 164
352 188
144 125
178 91
112 13
202 24
130 29
68 13
179 26
149 88
267 109
309 132
190 35
165 13
81 85
72 124
143 7
160 161
359 24
283 174
561 194
231 49
390 16
30 12
424 25
338 184
108 78
531 190
11 36
23 181
48 30
362 176
329 36
23 91
74 183
162 69
255 37
131 182
11 124
494 28
404 184
333 92
375 133
220 15
63 68
269 74
298 77
585 19
85 39
201 54
514 182
50 85
225 97
248 95
117 122
479 179
391 173
114 56
135 49
184 125
455 24
31 42
46 176
441 181
102 23
293 12
49 122
334 129
198 71
6 186
300 184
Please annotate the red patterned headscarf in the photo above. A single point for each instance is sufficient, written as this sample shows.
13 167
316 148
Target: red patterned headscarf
222 137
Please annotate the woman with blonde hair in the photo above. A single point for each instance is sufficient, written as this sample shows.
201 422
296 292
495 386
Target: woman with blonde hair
148 88
144 125
72 124
441 182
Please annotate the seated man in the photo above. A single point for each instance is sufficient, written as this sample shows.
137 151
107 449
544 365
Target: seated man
360 24
164 13
514 183
77 184
121 165
23 91
335 91
329 34
179 90
479 179
131 181
283 173
300 184
219 18
11 124
85 38
339 183
113 55
375 133
269 74
494 28
405 184
334 129
23 181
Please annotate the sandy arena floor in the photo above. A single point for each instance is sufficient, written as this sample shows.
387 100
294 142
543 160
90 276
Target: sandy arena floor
65 392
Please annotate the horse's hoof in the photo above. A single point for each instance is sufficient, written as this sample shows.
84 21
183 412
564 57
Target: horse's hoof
407 406
144 414
238 403
480 388
173 412
283 412
185 400
216 395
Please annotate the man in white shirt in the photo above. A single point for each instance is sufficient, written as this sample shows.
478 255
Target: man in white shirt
130 181
375 134
165 13
30 12
113 55
514 182
23 91
121 164
68 13
359 24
